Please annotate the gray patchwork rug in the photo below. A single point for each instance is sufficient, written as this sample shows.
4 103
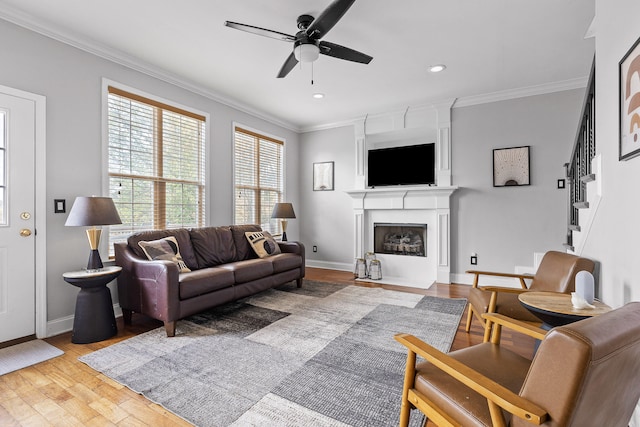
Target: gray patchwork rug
321 355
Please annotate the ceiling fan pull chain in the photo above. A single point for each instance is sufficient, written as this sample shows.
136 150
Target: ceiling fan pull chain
312 74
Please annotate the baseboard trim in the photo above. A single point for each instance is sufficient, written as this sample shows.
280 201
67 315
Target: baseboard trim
467 279
329 265
65 324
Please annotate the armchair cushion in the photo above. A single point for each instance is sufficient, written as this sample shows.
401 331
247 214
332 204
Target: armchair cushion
464 405
557 272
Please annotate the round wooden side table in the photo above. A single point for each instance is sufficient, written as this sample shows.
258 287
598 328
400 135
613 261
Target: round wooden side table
556 309
94 318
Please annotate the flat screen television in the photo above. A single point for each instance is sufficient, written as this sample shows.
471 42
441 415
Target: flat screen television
408 165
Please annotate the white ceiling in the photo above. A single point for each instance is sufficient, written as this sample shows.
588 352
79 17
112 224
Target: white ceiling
489 46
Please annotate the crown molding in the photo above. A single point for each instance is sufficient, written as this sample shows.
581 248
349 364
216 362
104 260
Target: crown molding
466 101
577 83
351 122
98 49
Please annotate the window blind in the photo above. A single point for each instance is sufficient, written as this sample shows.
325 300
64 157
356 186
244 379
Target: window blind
258 178
156 165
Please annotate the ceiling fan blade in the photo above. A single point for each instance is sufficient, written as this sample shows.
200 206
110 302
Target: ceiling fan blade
328 18
341 52
288 65
260 31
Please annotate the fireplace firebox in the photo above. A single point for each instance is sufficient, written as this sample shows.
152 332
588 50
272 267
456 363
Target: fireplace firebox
400 239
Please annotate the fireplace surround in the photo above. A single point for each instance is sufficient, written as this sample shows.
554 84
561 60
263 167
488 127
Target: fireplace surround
406 205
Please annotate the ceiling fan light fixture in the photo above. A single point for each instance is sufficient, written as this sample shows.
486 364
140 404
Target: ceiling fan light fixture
437 68
306 52
318 95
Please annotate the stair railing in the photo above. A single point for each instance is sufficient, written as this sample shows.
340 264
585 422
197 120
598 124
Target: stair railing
578 170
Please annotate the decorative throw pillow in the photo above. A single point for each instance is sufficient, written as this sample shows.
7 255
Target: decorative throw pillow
167 249
262 243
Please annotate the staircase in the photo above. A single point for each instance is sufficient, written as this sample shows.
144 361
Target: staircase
583 175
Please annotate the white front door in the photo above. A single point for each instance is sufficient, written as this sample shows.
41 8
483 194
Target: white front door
17 217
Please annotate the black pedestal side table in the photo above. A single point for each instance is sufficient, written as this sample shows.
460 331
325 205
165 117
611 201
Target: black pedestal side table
94 319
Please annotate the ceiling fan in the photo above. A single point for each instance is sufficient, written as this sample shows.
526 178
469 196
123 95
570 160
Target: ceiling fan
307 46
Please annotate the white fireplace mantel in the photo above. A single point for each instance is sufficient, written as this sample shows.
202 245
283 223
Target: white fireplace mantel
423 204
419 197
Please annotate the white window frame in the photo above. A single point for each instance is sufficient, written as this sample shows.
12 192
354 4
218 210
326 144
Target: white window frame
275 224
105 144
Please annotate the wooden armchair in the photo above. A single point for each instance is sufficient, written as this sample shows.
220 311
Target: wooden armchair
556 273
583 374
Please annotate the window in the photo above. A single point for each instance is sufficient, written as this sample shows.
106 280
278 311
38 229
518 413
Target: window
156 165
258 178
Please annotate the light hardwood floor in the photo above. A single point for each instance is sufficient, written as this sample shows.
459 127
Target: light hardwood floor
66 392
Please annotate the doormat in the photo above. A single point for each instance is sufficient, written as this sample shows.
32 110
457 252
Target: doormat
26 354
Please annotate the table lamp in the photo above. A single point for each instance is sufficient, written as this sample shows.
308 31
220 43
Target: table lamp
93 211
283 211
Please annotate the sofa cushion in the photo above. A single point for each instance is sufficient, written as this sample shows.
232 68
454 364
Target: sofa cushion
285 262
263 243
167 249
248 270
213 245
181 235
204 281
243 248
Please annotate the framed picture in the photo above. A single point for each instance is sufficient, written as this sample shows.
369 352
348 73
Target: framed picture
323 176
511 166
629 81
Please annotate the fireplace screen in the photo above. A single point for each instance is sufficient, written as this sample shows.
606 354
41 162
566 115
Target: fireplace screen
400 239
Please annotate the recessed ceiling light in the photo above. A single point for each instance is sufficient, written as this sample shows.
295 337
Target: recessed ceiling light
318 95
437 68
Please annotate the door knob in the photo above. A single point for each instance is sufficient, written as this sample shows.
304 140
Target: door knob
25 232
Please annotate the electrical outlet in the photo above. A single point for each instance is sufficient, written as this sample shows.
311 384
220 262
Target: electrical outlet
315 248
474 259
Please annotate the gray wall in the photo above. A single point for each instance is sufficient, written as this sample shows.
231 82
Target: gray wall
506 225
613 241
614 237
71 80
327 219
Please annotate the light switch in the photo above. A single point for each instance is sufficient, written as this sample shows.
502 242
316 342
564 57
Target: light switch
59 206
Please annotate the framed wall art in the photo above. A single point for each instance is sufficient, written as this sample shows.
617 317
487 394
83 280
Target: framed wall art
323 176
511 166
629 92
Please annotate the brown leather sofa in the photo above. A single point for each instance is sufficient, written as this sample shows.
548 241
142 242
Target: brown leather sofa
224 267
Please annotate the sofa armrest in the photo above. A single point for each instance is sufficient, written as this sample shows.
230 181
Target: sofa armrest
294 248
147 287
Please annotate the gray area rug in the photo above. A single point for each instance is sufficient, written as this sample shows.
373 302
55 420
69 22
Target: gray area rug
321 355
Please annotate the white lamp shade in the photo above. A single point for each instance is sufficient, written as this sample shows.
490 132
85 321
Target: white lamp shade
306 52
